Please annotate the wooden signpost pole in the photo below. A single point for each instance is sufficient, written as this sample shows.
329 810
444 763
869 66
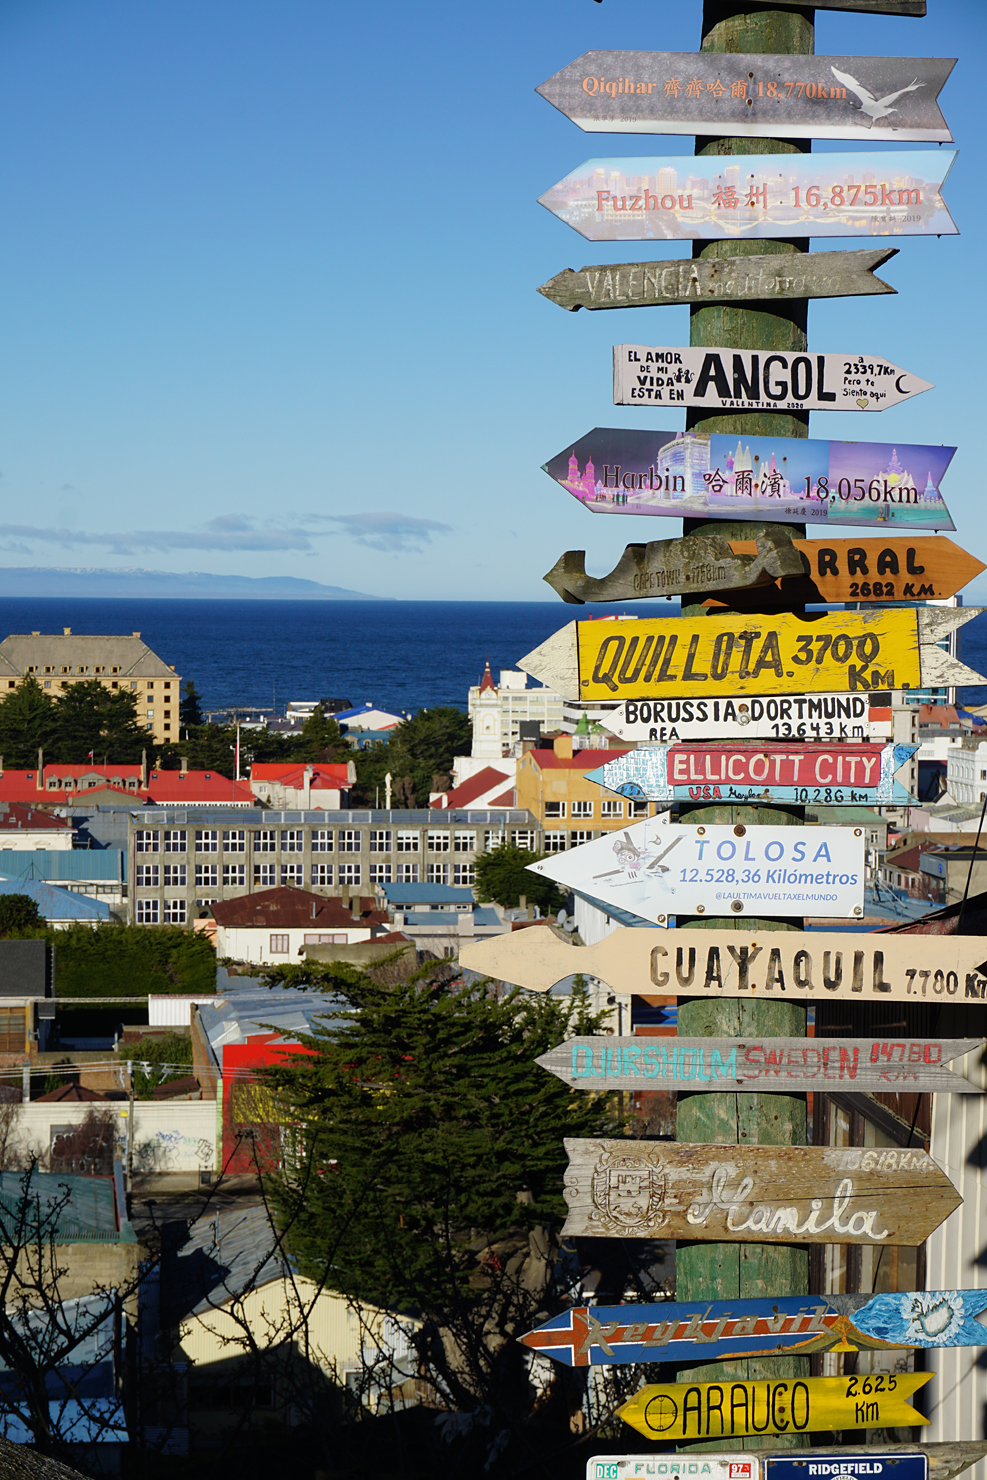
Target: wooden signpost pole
752 1270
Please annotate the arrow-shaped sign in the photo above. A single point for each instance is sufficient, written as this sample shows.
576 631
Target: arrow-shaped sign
721 280
789 1066
712 475
729 655
801 717
753 95
717 197
828 775
720 379
818 966
772 1194
718 1330
731 1410
915 8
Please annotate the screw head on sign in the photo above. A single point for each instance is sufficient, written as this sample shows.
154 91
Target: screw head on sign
739 830
858 832
700 830
736 905
661 919
700 909
858 909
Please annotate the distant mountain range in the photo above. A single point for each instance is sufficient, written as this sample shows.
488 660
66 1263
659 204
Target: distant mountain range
41 580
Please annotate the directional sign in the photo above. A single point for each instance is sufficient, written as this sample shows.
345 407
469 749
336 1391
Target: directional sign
712 475
817 966
712 1410
752 95
726 654
802 717
697 562
876 7
754 380
875 568
657 870
874 1462
860 1467
789 1066
717 197
831 775
719 1330
721 280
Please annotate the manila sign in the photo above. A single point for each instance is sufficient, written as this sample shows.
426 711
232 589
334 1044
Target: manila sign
746 197
656 870
802 717
712 475
753 95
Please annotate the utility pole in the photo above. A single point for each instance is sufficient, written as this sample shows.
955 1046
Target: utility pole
713 1271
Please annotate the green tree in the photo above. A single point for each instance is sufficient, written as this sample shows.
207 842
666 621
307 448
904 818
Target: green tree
502 875
166 1058
322 739
129 960
190 707
18 912
88 717
418 750
27 720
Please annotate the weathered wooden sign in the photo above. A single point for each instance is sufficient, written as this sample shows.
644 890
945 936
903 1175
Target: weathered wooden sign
753 95
764 1065
726 197
697 562
730 655
712 475
883 1461
719 1330
733 1410
831 775
721 280
753 380
876 7
657 870
801 717
820 965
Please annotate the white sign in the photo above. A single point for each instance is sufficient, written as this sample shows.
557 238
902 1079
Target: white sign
801 717
673 1467
757 380
655 870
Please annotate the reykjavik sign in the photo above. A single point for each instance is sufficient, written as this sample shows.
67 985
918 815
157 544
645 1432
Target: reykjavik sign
719 198
723 963
815 717
753 95
709 475
719 1330
842 775
750 380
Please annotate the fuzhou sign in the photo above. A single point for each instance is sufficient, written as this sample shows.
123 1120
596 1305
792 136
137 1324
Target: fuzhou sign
801 717
717 197
752 380
751 95
772 1194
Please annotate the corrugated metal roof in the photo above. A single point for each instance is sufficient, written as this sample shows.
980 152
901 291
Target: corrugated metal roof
54 903
220 1257
64 864
427 894
235 1018
83 1208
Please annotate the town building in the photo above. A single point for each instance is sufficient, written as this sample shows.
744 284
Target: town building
26 829
966 772
61 784
492 786
552 786
439 919
117 662
308 786
274 926
497 712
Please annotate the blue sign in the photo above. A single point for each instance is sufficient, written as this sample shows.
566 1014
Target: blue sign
846 1465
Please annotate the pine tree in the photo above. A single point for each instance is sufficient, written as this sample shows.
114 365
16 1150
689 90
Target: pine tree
322 739
190 708
503 876
89 717
27 720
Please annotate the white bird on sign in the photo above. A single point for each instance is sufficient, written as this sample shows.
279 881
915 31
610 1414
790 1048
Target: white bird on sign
875 108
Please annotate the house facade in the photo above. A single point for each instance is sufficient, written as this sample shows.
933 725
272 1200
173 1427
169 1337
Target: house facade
552 786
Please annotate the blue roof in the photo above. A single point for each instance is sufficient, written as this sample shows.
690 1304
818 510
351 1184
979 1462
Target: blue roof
427 894
57 904
64 864
446 920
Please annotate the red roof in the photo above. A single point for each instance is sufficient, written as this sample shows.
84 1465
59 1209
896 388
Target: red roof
581 760
166 788
476 786
172 788
296 908
937 714
15 815
506 799
486 682
329 775
69 1092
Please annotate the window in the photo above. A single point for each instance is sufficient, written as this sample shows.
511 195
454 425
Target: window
555 809
265 874
406 873
292 840
322 840
380 873
349 840
167 727
493 837
147 912
175 875
437 873
279 945
581 809
464 874
349 873
464 842
637 809
293 873
325 940
207 840
438 842
407 840
266 841
234 840
380 842
235 875
554 842
582 835
147 875
146 841
523 839
174 912
322 874
612 809
207 876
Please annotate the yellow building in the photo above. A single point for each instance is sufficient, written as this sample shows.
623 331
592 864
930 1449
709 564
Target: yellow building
121 662
552 785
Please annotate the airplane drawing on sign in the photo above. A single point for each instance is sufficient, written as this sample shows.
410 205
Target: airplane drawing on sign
875 108
633 861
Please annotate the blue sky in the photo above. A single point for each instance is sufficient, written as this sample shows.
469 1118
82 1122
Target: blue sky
269 279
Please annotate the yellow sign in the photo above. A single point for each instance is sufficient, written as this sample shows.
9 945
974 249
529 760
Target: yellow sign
737 1410
699 657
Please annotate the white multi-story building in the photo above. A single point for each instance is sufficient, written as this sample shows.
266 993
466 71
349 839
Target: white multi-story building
966 772
497 712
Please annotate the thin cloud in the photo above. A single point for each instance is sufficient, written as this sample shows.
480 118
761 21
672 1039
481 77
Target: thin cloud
227 532
392 533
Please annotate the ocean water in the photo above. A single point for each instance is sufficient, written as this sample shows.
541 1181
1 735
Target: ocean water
401 655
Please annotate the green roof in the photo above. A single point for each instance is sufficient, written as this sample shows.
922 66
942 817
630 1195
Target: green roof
83 1208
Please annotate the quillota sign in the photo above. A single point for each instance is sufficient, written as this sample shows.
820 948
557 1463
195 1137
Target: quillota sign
712 475
801 717
713 1410
750 196
819 965
754 380
753 95
720 1330
831 775
657 870
763 1065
